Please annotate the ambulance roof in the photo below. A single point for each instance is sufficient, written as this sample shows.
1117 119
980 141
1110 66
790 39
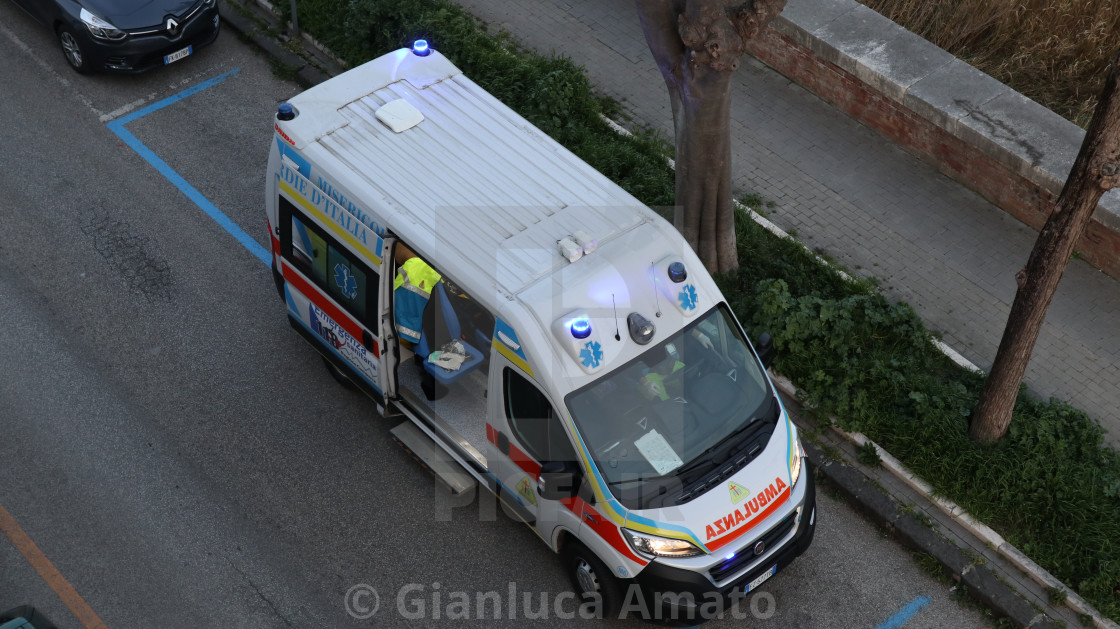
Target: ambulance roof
486 195
473 179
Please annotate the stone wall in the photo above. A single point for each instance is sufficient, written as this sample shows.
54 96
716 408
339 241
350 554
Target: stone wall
978 131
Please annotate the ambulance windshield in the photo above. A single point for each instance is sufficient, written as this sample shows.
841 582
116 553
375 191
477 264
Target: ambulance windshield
677 411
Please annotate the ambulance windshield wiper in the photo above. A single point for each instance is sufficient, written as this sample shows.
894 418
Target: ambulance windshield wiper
625 481
705 458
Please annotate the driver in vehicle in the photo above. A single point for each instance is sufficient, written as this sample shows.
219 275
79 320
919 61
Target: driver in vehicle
653 383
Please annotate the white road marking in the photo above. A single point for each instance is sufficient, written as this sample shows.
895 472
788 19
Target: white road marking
174 86
124 109
85 100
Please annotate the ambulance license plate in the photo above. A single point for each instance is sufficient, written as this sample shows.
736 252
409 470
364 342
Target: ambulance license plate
761 578
175 56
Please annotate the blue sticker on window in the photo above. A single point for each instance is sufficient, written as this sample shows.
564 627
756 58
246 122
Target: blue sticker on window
347 285
688 297
591 354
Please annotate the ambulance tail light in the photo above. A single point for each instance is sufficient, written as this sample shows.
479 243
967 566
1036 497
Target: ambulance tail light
655 546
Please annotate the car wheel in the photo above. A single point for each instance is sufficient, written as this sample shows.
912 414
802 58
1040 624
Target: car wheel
337 374
592 580
72 50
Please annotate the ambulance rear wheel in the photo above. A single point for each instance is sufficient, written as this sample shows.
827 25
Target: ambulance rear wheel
278 279
337 374
592 580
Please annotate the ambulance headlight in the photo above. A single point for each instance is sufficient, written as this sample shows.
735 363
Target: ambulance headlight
654 546
795 465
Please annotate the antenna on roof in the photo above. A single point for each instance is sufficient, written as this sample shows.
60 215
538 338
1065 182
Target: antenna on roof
656 301
617 336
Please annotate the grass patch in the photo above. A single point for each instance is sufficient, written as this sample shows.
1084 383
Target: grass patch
1056 53
868 455
1050 487
932 567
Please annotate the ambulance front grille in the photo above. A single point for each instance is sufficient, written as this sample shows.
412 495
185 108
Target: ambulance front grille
745 555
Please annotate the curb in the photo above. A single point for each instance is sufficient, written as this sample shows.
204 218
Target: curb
983 585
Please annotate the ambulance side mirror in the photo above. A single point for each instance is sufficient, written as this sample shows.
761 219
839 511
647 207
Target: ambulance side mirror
765 349
558 481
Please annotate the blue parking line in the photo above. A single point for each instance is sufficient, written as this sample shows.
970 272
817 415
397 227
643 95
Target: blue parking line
118 127
903 616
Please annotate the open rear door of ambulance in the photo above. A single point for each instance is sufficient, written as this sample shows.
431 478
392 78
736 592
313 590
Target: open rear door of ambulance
390 345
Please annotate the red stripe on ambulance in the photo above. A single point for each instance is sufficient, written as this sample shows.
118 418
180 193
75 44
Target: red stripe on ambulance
345 321
751 512
600 524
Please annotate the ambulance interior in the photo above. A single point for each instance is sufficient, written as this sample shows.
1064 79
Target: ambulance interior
444 374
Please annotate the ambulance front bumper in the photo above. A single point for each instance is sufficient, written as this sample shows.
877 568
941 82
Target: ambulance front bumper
682 593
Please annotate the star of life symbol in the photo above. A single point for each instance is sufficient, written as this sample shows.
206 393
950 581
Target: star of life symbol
347 285
688 297
591 354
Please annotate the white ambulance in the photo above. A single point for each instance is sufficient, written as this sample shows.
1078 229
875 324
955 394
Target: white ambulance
570 353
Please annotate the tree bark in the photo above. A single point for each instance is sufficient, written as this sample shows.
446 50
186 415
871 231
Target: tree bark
1095 171
697 45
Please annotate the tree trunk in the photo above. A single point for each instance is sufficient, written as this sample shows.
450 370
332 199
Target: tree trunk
704 211
697 45
1096 170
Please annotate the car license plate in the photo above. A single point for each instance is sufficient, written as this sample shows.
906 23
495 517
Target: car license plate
761 578
175 56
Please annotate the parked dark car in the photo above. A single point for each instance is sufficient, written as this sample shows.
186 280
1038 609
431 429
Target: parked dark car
25 617
126 35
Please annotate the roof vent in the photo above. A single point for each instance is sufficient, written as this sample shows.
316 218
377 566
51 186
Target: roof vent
399 115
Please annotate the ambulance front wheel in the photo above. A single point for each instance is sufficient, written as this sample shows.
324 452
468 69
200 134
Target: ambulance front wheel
337 374
591 579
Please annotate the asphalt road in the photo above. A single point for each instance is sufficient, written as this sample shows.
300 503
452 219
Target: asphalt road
179 455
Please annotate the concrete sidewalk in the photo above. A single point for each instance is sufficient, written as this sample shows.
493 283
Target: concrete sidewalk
853 194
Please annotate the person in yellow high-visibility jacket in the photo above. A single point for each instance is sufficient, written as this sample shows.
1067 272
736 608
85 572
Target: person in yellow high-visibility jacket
412 288
653 381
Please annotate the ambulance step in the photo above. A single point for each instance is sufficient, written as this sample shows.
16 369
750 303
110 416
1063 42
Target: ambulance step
433 458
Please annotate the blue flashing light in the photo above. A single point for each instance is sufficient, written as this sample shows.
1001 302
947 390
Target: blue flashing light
581 328
285 111
730 557
420 48
677 272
